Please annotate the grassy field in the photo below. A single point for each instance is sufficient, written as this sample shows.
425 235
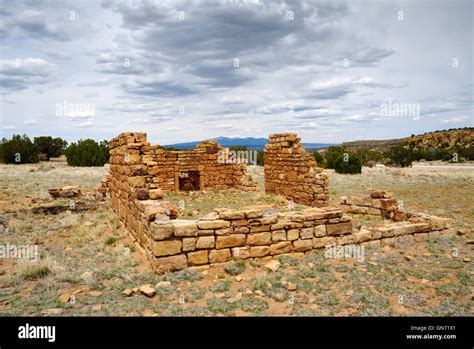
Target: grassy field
90 257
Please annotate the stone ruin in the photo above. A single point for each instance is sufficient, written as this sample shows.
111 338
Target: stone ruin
293 173
141 174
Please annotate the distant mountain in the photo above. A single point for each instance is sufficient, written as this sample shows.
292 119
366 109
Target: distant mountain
249 142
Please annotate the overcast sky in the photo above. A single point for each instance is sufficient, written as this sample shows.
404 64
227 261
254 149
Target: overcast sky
190 70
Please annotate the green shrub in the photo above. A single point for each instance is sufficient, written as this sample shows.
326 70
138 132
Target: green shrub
49 147
260 158
235 268
348 163
331 156
400 156
320 160
369 157
19 150
110 240
104 147
86 153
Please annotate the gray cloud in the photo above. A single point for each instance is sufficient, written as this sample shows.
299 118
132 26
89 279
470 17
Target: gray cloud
20 74
324 72
25 19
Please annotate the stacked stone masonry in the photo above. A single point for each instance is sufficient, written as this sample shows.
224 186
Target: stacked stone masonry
293 173
376 203
140 175
226 235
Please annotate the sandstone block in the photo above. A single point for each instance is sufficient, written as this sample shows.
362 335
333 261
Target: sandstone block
172 263
241 252
339 228
156 194
219 256
198 257
205 242
185 228
166 248
307 233
233 240
302 245
260 228
320 230
281 247
259 239
217 224
189 244
293 234
278 235
161 231
224 231
232 215
141 194
259 251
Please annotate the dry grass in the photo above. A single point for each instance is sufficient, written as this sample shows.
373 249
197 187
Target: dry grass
91 251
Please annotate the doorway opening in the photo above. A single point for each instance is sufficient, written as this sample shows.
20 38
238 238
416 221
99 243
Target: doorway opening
189 181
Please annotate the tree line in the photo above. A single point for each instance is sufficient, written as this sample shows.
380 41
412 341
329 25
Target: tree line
20 149
401 155
88 152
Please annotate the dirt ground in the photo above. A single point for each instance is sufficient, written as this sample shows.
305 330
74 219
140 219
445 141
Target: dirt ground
88 259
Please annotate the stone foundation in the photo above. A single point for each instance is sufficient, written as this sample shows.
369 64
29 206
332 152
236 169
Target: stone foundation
140 175
226 235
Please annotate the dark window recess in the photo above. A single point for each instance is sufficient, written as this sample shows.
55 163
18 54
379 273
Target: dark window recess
189 181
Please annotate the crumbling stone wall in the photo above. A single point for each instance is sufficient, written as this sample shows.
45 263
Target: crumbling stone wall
226 235
292 172
173 244
152 167
376 203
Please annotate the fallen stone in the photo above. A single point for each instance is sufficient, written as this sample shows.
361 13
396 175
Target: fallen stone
156 194
148 313
64 298
163 284
141 194
127 292
147 290
377 193
291 286
272 266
